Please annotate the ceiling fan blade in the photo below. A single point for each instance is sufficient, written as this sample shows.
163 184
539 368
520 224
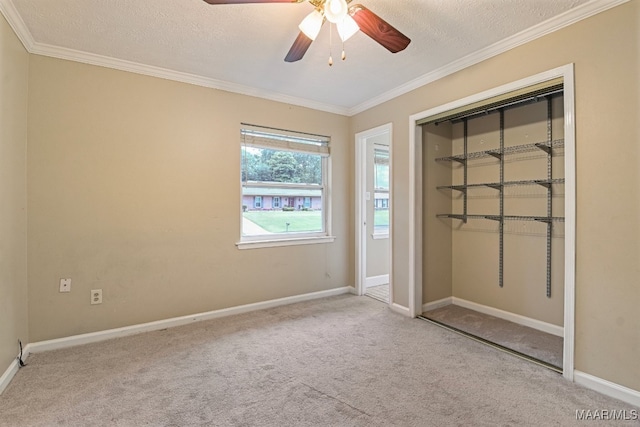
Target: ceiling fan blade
378 29
299 48
250 1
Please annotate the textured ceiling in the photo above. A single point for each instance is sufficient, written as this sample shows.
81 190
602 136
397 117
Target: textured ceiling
245 44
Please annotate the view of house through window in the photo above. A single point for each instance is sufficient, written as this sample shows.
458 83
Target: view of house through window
283 184
381 190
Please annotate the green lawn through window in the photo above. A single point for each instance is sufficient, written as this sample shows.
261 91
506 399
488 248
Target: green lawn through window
381 218
276 221
300 221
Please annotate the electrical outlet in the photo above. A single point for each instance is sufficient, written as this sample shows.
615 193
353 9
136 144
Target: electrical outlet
65 285
96 296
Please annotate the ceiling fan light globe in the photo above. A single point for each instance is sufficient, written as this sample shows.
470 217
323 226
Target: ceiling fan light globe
311 24
347 28
335 10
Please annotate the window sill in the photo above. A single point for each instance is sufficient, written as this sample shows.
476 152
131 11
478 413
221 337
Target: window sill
380 236
257 244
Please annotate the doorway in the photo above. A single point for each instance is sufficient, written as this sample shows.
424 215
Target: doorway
417 273
374 213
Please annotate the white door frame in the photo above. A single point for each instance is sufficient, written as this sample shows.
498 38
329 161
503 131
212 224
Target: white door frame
415 198
361 206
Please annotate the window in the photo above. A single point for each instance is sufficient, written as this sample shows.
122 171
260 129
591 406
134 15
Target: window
381 190
285 173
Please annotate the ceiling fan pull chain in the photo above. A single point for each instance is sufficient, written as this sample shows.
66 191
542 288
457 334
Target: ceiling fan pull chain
330 58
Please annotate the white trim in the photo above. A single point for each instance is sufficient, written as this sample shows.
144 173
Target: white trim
608 388
415 192
401 309
415 218
496 91
383 279
268 239
13 368
568 358
501 314
17 24
361 207
360 213
599 385
179 76
327 203
437 304
380 236
555 23
178 321
391 213
284 242
8 375
511 317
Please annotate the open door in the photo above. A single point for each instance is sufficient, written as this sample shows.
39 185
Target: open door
373 213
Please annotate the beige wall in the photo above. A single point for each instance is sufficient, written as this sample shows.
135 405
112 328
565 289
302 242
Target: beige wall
129 190
605 51
134 189
14 69
437 248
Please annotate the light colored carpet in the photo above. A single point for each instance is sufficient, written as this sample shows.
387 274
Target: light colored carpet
339 361
529 341
380 292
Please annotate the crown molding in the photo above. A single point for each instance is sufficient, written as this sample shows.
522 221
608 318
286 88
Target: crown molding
16 23
556 23
178 76
549 26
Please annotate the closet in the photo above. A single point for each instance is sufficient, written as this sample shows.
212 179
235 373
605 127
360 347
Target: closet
493 221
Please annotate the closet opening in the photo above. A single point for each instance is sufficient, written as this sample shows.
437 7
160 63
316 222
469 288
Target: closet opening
493 221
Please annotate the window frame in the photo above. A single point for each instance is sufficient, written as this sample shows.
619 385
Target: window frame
291 238
380 233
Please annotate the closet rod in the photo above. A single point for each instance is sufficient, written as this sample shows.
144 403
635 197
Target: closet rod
508 105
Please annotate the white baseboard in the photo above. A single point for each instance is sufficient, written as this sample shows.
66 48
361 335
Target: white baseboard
8 375
12 370
607 388
600 385
437 304
376 280
178 321
400 309
352 290
515 318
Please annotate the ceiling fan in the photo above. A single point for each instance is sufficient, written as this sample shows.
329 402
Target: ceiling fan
348 20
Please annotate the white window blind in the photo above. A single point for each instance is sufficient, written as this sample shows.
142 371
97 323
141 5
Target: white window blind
279 139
